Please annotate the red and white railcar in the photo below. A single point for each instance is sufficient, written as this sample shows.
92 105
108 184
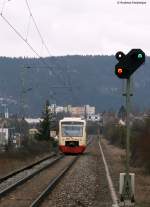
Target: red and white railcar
72 135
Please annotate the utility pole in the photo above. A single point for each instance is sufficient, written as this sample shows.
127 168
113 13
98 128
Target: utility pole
24 90
22 98
85 112
128 126
127 193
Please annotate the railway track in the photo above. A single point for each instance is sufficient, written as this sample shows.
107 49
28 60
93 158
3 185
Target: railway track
44 179
53 182
18 177
15 172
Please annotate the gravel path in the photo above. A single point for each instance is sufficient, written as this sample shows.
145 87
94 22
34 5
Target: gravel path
85 185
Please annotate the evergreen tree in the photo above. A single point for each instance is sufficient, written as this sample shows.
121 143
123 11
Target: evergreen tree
44 129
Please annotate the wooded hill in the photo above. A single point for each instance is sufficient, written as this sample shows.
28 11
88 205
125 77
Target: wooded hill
72 80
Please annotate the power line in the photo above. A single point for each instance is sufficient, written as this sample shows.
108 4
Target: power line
61 78
40 35
28 27
18 33
29 45
43 43
3 6
26 40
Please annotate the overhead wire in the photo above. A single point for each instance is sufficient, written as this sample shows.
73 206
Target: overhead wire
30 46
39 33
28 27
3 6
34 21
19 34
41 59
42 40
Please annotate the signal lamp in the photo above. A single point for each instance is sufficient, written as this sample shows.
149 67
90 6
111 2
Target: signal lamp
140 55
120 71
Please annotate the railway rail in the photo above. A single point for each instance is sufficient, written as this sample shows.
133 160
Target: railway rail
9 184
53 182
14 179
15 172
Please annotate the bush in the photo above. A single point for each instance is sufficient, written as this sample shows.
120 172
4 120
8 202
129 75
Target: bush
115 134
139 141
140 144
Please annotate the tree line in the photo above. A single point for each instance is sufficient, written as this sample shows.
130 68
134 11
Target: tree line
139 141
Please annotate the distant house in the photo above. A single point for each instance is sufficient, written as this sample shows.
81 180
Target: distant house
33 121
77 111
6 136
94 117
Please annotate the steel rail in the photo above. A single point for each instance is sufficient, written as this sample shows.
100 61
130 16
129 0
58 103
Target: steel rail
15 172
52 184
23 180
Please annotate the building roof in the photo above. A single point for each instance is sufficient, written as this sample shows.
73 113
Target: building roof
72 119
33 121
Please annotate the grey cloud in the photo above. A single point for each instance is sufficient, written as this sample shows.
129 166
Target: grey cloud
77 27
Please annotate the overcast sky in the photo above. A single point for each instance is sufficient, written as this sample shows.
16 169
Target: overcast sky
75 27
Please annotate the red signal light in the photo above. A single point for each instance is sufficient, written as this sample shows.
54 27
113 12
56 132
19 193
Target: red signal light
120 71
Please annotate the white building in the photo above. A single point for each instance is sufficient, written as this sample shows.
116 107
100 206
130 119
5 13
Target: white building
94 117
73 110
33 121
90 110
4 136
53 108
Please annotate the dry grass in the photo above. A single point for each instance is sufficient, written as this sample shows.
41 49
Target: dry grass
142 180
10 161
9 164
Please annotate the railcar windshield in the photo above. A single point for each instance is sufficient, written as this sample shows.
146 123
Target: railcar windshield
72 129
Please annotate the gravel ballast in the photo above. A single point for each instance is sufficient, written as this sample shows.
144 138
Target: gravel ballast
84 185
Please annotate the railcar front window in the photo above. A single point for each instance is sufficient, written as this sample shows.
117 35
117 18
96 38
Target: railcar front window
72 131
